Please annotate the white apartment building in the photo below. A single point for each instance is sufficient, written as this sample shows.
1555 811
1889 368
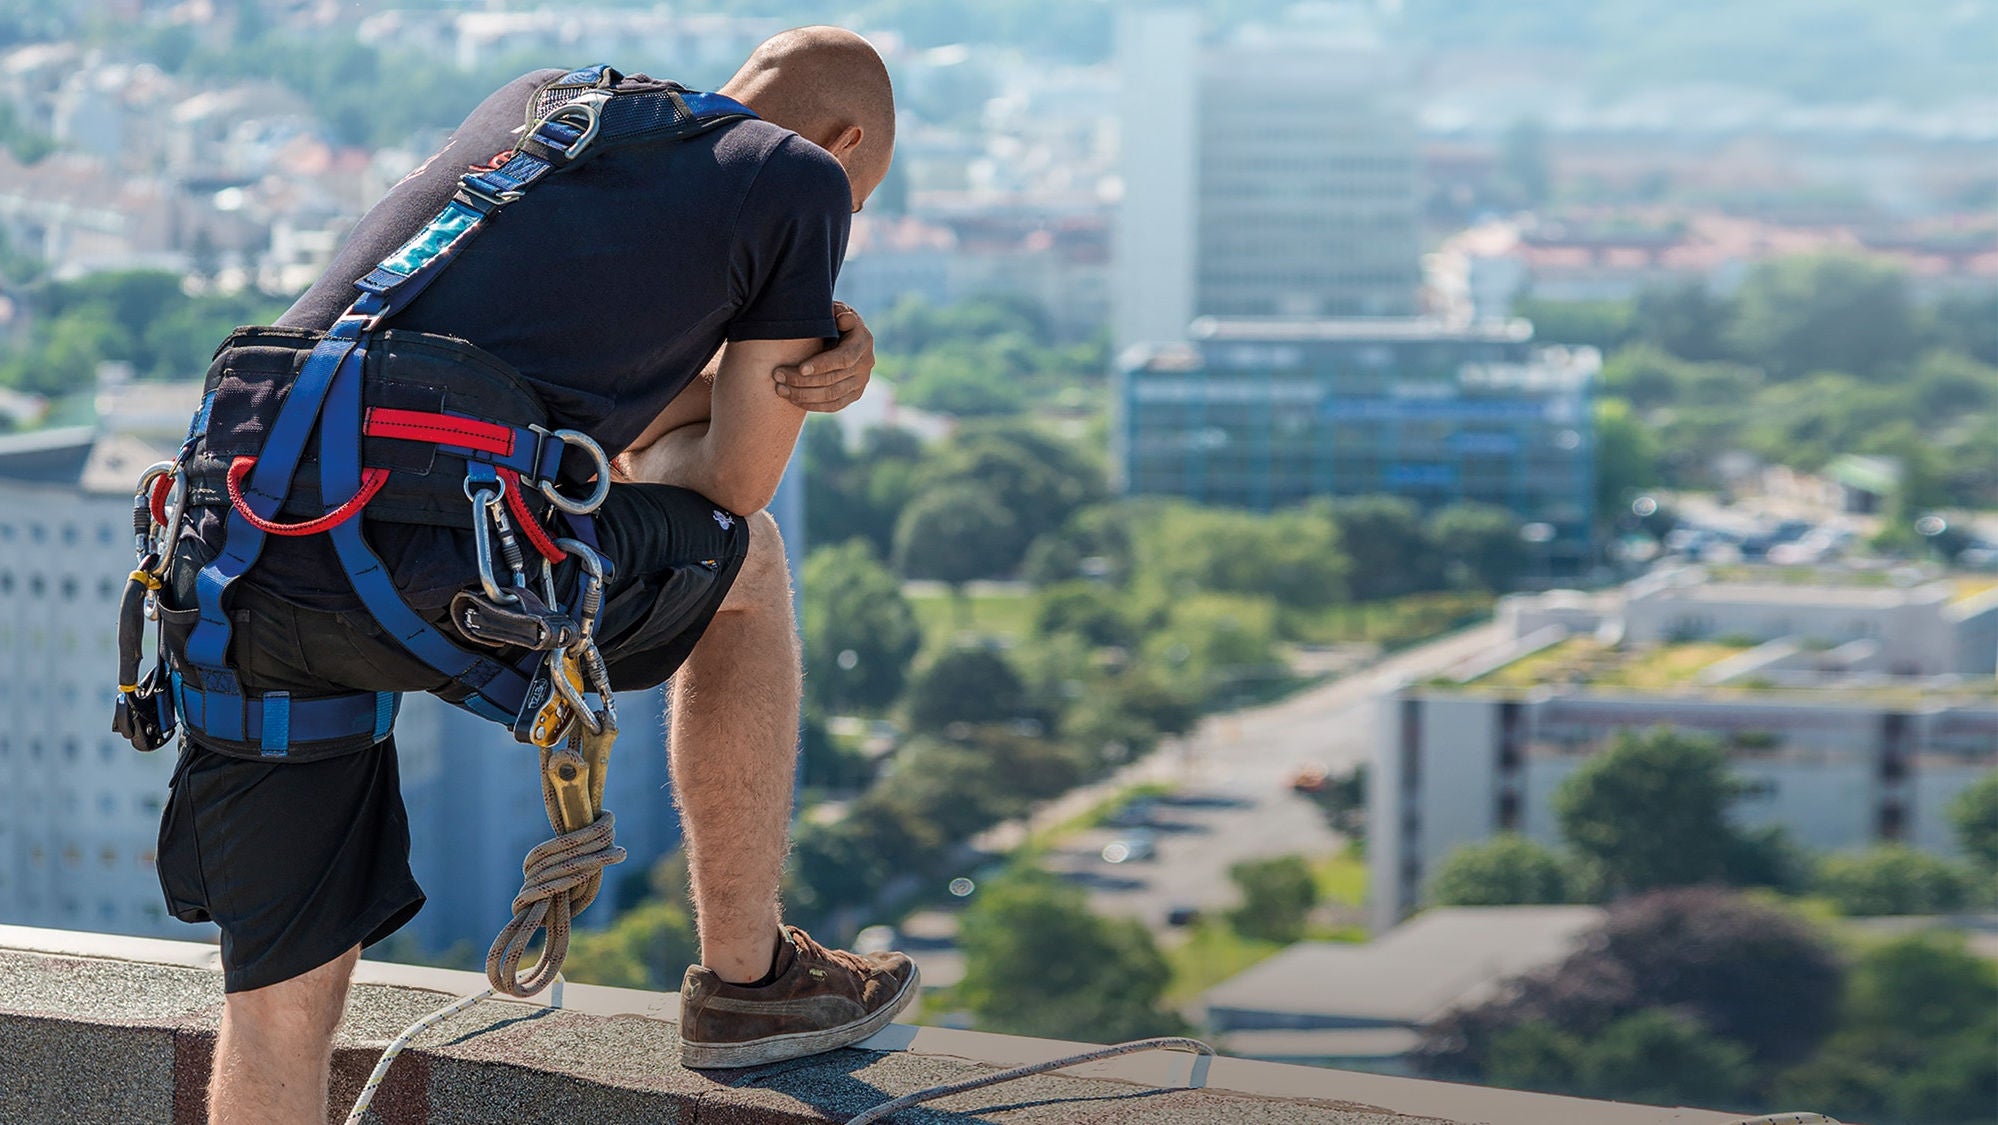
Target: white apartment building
1835 769
1270 174
79 817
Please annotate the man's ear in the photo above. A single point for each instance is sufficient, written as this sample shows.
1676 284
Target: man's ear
847 140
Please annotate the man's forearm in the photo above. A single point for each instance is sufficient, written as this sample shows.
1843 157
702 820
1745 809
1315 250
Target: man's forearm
683 457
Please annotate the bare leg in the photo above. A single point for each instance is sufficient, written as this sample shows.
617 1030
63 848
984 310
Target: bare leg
276 1044
734 738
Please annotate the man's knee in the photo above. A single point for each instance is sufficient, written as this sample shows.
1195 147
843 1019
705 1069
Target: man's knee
310 1003
764 581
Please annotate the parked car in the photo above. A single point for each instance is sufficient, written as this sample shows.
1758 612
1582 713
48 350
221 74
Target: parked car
1134 848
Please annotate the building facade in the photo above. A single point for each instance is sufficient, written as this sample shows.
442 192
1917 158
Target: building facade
1836 769
1281 181
1261 414
79 818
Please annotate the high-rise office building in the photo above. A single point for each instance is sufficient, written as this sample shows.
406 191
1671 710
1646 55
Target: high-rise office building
1261 414
1270 173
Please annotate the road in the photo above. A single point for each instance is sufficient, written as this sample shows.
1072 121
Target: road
1231 799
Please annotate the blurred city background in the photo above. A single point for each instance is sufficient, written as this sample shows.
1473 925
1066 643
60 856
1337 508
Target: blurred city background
1426 536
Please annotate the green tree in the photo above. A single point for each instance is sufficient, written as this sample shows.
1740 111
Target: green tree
1914 1043
1686 320
1651 812
1479 546
1292 557
860 633
1507 870
1747 972
1383 536
649 947
1090 610
1626 458
1037 962
1535 1055
1891 879
1974 815
1830 312
973 684
1599 324
1660 1058
1277 897
1040 479
1211 647
957 533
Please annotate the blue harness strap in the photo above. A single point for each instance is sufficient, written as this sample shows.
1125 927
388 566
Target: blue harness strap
326 396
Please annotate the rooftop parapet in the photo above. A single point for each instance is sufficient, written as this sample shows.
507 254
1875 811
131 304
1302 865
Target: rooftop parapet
98 1028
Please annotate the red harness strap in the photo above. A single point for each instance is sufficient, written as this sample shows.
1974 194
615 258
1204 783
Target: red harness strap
405 425
372 481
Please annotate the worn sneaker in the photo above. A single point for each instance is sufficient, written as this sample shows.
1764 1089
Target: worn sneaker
822 999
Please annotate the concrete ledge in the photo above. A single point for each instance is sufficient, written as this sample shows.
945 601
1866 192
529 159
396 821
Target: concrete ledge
106 1029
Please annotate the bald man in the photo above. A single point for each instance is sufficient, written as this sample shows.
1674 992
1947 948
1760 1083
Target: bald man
673 301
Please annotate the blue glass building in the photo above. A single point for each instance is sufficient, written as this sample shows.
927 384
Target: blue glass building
1261 414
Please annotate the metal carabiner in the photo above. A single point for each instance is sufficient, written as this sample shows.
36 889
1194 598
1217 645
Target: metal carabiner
486 496
591 600
570 692
596 497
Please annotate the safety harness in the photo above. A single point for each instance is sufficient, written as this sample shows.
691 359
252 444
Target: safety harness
412 427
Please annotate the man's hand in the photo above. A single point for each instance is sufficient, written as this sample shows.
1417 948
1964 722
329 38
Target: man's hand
833 379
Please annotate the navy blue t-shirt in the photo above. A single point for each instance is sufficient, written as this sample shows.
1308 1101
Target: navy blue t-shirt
610 285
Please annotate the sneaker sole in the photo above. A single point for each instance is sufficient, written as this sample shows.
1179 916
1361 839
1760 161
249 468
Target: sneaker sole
798 1044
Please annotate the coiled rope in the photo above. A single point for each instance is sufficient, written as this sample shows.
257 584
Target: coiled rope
562 877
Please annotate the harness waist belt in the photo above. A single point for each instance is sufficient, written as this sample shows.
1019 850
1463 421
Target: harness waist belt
273 721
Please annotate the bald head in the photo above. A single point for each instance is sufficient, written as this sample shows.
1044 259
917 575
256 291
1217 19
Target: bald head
829 86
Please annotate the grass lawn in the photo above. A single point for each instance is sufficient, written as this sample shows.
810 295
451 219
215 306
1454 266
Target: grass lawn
1396 623
1212 953
1008 615
1341 879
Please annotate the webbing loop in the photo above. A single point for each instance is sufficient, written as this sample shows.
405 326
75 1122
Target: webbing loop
372 481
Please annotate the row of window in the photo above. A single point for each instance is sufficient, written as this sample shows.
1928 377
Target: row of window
68 534
66 588
71 857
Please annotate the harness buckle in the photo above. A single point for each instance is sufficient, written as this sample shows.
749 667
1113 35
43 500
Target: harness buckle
599 492
471 185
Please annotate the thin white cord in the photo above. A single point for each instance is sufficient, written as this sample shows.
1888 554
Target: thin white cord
878 1113
396 1045
881 1112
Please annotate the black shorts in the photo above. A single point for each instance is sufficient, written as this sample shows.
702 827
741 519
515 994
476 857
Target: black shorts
298 861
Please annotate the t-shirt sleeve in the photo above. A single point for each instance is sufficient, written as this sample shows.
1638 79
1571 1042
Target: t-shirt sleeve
790 238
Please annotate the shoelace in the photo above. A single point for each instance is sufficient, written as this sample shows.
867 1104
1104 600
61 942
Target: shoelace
812 950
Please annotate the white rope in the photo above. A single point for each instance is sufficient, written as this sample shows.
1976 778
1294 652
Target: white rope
881 1112
878 1113
396 1045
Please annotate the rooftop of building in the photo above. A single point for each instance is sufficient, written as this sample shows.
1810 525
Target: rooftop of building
1719 668
1439 960
113 1029
1845 586
1358 328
